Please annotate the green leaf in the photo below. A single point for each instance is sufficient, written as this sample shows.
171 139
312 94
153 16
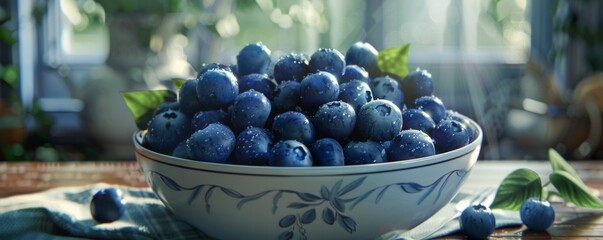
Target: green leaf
516 188
6 36
394 60
143 104
559 164
573 190
178 82
10 75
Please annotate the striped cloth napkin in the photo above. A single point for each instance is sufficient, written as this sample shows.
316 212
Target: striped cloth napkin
64 213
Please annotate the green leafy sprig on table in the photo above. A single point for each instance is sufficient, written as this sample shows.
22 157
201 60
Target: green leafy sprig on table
143 104
524 183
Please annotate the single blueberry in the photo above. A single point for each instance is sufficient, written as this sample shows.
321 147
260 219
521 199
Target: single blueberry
214 143
250 109
187 98
364 55
286 96
433 106
217 89
354 72
477 221
167 105
378 120
417 84
417 119
291 67
453 115
317 89
166 130
253 147
204 118
387 88
335 119
259 82
290 153
356 93
537 215
327 152
328 60
449 135
253 58
364 152
410 144
107 205
209 66
293 126
181 151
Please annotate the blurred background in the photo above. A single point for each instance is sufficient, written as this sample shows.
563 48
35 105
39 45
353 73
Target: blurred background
526 71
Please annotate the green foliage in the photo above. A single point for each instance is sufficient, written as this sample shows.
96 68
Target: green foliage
143 104
516 188
394 60
523 183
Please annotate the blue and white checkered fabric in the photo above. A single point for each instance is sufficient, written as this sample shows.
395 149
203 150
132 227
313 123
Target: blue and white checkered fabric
64 213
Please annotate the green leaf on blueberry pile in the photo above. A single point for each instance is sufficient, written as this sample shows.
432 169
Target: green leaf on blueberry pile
142 104
523 183
394 60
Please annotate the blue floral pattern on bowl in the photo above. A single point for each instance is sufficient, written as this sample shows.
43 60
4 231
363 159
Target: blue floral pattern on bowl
331 202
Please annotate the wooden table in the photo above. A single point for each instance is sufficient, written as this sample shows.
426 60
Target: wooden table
570 223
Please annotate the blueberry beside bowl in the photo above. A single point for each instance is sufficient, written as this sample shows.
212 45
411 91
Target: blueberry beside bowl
228 201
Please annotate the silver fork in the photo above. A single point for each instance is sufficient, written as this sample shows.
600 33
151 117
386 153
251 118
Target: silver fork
484 196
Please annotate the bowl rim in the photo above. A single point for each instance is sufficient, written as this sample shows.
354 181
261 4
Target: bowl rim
313 170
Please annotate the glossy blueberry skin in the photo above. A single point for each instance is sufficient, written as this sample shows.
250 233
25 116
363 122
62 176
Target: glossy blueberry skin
364 55
364 152
286 96
253 147
417 84
537 215
208 66
291 67
293 125
166 130
356 93
317 89
214 143
204 118
187 98
250 109
167 105
387 88
433 106
327 152
259 82
354 72
453 115
181 151
335 119
217 89
409 144
290 153
449 135
328 60
417 119
253 58
379 120
477 221
107 205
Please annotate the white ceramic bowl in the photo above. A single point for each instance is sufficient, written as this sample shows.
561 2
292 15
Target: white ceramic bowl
345 202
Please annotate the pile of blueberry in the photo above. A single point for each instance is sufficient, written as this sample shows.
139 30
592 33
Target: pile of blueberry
327 109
